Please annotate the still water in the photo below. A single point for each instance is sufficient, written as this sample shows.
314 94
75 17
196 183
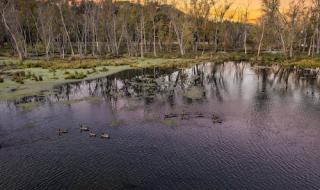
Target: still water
163 135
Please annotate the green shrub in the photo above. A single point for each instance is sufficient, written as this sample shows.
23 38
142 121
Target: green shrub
104 69
34 64
19 76
19 80
76 75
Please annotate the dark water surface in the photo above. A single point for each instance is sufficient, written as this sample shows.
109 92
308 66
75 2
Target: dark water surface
269 137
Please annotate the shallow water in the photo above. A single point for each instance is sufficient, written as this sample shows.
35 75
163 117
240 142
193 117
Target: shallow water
268 138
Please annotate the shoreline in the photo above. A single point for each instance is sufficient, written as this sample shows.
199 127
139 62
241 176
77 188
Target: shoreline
54 72
10 90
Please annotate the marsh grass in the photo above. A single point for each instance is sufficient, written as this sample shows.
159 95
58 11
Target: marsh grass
304 63
41 74
76 75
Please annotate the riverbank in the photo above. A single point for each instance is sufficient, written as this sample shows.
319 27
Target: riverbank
39 76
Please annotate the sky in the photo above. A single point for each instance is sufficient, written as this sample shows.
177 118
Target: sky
255 6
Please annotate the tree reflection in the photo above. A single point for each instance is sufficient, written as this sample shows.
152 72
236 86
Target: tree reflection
213 79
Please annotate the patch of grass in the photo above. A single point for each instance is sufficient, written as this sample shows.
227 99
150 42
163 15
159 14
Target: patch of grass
304 63
104 69
56 64
10 90
76 75
58 71
19 76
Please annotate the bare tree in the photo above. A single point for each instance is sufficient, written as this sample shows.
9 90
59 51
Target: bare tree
65 28
12 22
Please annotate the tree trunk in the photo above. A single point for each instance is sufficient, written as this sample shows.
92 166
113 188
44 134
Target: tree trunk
141 37
154 39
245 41
14 37
284 49
66 31
261 40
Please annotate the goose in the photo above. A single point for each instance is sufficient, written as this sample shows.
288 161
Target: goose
105 136
62 131
83 128
92 134
216 119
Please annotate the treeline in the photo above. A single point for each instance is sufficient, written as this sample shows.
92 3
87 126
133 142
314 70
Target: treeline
82 28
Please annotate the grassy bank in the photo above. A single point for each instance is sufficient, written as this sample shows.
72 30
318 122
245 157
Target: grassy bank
10 89
39 76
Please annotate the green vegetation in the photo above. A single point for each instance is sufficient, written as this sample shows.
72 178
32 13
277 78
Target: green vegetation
76 75
22 81
303 63
38 77
202 26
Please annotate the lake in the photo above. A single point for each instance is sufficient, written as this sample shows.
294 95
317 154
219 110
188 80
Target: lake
211 126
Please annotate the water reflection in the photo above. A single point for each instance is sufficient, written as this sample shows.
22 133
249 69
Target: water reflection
217 81
269 134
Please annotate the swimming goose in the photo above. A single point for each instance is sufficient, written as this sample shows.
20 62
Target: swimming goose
83 127
105 136
92 134
62 131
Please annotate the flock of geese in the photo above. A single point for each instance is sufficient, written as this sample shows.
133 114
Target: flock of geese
84 128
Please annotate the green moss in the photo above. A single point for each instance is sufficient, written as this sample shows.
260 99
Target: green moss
304 63
12 90
104 69
76 75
